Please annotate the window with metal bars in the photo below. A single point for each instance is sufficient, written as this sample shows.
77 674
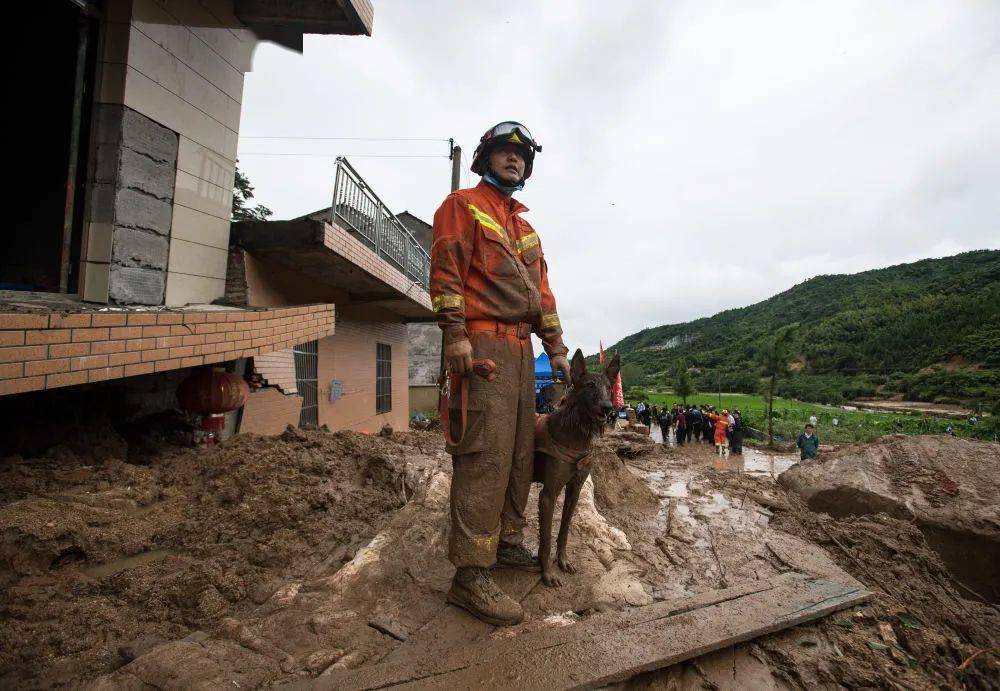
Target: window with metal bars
383 378
306 365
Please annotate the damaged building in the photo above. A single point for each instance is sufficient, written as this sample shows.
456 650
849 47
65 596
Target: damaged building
125 271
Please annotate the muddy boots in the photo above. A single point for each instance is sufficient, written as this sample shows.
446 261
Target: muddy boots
473 589
517 557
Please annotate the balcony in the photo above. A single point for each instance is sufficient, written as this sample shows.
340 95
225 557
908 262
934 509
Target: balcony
356 251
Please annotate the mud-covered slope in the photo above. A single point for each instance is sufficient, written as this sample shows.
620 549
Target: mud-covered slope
101 559
948 487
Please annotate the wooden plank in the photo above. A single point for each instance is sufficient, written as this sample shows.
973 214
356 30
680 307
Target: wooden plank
612 647
453 626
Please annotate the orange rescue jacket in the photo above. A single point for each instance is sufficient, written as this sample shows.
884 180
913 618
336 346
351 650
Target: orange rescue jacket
487 263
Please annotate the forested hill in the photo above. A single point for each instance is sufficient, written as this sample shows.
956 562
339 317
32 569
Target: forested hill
929 330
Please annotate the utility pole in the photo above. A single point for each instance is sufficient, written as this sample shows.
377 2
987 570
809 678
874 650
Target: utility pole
456 164
455 154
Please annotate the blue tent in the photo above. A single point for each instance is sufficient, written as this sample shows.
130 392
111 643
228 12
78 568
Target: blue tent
543 369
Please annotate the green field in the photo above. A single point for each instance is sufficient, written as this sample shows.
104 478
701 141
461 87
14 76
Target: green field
853 425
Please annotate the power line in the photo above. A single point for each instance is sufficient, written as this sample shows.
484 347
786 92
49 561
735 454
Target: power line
350 139
268 153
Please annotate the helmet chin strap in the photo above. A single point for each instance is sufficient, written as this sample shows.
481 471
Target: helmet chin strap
489 177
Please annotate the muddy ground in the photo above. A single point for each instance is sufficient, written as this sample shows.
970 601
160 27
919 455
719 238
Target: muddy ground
270 559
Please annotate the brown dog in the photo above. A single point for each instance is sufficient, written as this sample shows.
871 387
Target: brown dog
562 450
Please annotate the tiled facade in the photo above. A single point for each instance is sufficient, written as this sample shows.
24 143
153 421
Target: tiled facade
46 351
181 64
348 357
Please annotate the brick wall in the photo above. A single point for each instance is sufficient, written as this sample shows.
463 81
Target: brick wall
268 411
349 356
45 351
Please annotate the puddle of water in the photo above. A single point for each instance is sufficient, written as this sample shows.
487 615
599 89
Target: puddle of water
761 463
118 565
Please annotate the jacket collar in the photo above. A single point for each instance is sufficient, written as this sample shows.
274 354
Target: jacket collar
509 204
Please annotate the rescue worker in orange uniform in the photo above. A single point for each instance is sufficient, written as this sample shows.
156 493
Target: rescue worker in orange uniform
489 287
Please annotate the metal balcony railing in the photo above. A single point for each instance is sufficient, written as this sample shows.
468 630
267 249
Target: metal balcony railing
357 209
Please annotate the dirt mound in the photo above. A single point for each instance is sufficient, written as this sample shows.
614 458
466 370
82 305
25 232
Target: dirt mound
101 559
920 631
947 486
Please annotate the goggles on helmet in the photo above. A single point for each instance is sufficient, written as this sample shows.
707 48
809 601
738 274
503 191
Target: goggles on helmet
513 133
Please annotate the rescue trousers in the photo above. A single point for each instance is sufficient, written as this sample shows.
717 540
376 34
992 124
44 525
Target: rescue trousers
492 465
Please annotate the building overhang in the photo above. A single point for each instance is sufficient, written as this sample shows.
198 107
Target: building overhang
53 341
286 21
328 255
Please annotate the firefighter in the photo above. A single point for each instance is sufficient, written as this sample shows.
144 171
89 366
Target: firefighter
490 290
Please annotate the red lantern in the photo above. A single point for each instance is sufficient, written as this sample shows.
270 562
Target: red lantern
212 392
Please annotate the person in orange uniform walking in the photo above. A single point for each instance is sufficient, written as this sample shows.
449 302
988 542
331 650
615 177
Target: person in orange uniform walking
490 290
721 423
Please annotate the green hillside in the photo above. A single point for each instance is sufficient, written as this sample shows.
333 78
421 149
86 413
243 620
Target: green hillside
929 330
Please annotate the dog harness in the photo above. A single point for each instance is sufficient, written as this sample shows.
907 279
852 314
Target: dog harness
544 443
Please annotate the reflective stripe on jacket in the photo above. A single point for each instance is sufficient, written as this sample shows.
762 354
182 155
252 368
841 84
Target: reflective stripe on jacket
487 263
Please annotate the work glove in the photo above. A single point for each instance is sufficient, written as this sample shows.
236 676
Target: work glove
559 363
458 357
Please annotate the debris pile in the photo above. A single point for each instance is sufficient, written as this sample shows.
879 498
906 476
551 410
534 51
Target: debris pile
102 559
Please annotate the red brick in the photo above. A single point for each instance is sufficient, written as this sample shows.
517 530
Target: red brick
11 370
207 328
183 351
11 338
65 379
124 358
69 321
216 316
169 341
151 331
143 319
140 343
235 316
106 319
107 347
194 317
69 349
104 373
193 339
126 332
156 354
139 368
20 320
37 367
181 330
192 361
89 362
100 334
214 357
172 363
9 386
169 318
15 353
47 336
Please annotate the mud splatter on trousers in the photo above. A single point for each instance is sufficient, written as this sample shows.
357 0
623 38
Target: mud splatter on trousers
492 466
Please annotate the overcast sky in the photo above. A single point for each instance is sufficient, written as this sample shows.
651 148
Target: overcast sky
697 155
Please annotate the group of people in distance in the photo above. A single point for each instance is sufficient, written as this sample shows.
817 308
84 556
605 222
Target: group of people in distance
701 424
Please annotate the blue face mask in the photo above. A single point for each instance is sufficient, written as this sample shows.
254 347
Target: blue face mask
506 189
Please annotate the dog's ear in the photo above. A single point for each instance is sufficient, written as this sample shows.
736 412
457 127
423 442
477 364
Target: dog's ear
613 367
577 366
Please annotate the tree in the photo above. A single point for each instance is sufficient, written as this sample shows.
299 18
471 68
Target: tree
682 381
773 359
242 194
631 375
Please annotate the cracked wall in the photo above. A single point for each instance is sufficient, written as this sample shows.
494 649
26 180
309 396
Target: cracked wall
132 198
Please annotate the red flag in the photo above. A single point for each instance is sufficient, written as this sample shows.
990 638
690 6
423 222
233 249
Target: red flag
602 351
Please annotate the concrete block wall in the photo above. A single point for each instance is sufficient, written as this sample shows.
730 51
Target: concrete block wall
180 64
130 207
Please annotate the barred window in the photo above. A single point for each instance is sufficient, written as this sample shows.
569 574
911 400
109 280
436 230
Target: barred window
383 378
